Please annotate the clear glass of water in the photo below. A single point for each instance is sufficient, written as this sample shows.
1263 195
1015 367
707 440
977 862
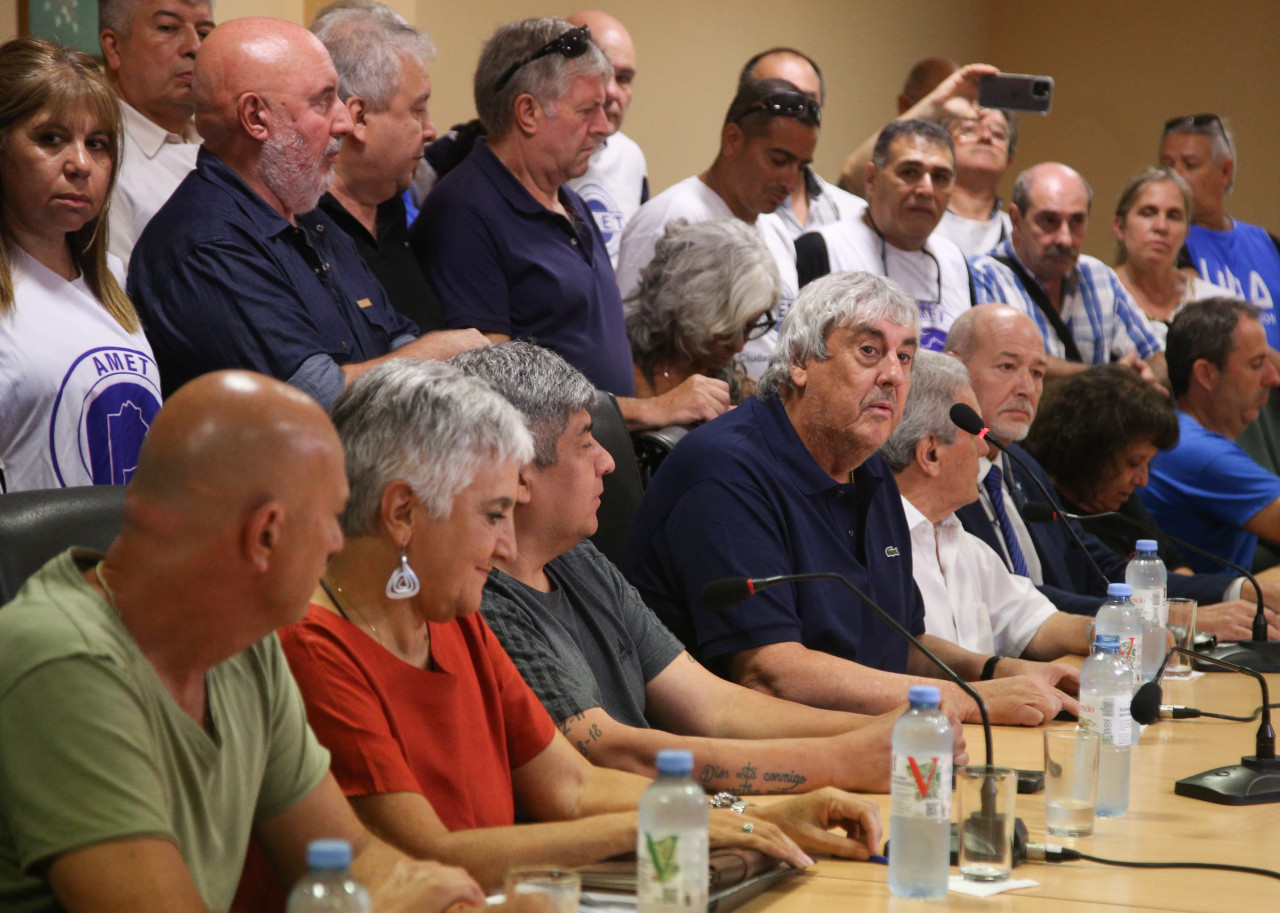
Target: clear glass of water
986 797
1070 781
542 889
1182 624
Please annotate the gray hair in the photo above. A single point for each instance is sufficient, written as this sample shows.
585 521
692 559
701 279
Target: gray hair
1021 196
704 281
118 15
368 43
936 382
1222 143
932 133
544 388
1140 182
547 79
834 301
424 423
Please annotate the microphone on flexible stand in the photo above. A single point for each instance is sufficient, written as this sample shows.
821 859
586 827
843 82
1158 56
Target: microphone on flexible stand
729 591
966 419
1255 780
1258 654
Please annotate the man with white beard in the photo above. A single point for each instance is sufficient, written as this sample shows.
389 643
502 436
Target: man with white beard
238 269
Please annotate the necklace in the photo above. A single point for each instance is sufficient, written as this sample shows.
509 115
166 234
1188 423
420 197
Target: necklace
343 612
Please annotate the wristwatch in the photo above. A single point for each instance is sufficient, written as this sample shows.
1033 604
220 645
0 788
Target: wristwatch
729 801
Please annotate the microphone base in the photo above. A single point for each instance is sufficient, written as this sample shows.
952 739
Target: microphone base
1259 655
1252 782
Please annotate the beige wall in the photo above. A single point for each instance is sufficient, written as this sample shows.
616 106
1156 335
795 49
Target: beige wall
1122 69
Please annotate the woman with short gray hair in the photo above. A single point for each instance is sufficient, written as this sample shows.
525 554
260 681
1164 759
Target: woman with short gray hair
709 288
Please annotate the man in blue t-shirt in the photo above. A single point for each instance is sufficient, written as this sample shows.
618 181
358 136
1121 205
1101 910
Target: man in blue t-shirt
790 482
1207 489
1225 251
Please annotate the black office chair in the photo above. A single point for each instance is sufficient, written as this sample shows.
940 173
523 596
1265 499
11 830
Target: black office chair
36 525
652 447
622 488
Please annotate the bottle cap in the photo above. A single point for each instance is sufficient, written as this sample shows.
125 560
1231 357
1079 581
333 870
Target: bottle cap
1120 589
1146 546
328 855
924 694
675 761
1106 643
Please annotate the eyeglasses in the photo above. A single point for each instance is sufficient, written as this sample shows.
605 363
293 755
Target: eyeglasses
760 326
573 43
969 130
787 104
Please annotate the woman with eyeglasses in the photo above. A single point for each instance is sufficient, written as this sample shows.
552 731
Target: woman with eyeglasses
78 383
1152 219
709 288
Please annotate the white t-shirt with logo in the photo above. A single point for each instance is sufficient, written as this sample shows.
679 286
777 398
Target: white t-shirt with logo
613 187
77 391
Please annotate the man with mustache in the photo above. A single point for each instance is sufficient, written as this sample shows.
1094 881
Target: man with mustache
908 183
1207 489
150 48
790 482
1081 309
237 269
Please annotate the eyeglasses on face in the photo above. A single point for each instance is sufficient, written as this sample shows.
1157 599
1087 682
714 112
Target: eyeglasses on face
787 104
968 129
573 43
758 327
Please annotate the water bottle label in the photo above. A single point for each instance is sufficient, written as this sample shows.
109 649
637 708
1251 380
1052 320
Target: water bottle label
1109 717
1150 603
665 876
1131 653
921 787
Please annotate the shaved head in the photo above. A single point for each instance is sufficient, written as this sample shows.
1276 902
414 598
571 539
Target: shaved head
612 37
794 68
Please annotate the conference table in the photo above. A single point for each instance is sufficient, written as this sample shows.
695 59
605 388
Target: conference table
1159 826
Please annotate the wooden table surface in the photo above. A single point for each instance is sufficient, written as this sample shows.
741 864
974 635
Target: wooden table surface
1159 826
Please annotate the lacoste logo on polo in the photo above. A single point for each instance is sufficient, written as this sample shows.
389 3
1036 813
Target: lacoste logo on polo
891 551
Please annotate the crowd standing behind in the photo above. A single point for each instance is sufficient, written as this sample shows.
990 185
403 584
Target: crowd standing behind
254 179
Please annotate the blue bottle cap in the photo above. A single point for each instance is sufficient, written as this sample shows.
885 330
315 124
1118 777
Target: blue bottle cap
1120 589
924 694
675 761
1146 546
1106 643
328 855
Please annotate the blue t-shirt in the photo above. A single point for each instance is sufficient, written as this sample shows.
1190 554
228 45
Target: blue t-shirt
1204 490
222 280
1244 260
742 497
501 262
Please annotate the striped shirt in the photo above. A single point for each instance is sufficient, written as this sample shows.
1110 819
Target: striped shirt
1098 312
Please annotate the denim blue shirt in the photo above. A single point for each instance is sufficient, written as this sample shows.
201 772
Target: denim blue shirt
501 262
742 497
222 280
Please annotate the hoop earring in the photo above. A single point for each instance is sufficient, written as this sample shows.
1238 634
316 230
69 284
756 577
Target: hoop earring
403 583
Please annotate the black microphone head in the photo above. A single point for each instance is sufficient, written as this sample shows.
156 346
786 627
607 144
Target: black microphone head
1145 706
1038 512
966 419
726 592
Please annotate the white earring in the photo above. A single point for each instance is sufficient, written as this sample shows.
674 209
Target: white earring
403 583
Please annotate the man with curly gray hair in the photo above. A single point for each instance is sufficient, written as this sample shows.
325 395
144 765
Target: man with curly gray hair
790 482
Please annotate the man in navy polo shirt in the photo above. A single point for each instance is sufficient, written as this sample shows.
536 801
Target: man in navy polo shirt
790 483
515 254
236 270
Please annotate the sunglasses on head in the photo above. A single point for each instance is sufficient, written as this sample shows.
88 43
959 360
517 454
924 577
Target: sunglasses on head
573 43
1198 121
788 104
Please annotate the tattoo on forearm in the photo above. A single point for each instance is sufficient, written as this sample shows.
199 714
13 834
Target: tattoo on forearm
591 734
748 780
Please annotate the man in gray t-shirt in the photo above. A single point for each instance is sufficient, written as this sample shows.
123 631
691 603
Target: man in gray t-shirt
617 682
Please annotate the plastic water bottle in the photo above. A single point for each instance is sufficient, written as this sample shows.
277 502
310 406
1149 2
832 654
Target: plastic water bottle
328 887
920 798
673 869
1105 694
1119 616
1150 581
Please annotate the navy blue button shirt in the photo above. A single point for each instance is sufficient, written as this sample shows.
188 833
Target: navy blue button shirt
502 262
222 280
742 497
